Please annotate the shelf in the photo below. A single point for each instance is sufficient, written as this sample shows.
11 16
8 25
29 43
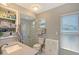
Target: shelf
6 18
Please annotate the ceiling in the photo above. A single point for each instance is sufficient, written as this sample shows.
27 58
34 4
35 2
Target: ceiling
42 6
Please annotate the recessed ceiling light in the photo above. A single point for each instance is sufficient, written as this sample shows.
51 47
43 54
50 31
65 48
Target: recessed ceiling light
5 4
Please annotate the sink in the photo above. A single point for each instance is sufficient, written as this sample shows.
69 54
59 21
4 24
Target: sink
13 48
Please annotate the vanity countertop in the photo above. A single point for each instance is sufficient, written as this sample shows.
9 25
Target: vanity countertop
26 50
7 37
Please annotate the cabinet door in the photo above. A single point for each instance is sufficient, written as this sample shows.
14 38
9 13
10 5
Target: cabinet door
51 47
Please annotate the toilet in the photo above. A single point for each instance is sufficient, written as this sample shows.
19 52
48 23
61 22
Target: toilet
37 46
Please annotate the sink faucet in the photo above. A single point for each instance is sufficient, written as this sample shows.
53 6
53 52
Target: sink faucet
1 48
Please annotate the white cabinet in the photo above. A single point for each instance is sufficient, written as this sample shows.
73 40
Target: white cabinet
51 47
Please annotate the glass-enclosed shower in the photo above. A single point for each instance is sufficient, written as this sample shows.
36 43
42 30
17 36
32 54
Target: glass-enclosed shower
28 34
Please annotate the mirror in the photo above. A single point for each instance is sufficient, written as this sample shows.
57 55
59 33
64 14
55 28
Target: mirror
42 26
42 23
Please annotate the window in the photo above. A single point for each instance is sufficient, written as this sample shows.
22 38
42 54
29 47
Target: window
69 37
69 23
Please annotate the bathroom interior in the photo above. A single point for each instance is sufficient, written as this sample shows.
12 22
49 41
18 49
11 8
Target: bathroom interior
39 29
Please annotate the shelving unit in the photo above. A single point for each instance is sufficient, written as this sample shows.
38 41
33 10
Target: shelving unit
6 18
7 14
7 22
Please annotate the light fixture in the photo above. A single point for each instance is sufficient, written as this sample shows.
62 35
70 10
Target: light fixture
35 7
5 4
